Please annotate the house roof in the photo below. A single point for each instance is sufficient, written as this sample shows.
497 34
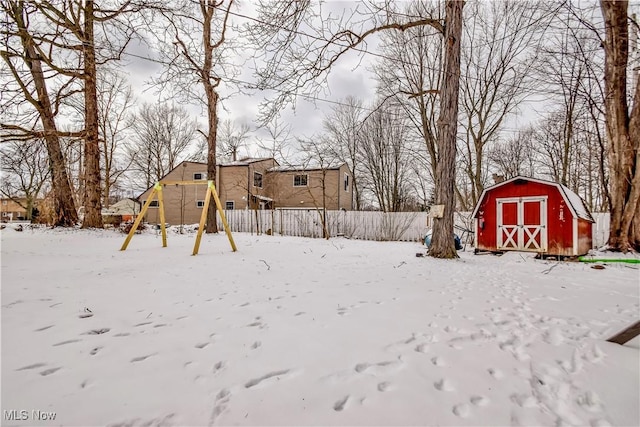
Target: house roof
246 161
293 168
125 207
575 203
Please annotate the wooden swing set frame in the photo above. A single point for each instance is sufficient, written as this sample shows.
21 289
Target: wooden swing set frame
157 190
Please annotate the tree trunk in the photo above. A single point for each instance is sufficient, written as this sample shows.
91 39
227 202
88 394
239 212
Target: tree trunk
623 130
65 214
92 190
212 105
442 244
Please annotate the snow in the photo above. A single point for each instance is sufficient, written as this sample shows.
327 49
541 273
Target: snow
297 331
577 203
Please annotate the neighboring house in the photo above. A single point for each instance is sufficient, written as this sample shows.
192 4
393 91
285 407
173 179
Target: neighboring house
312 187
244 184
251 183
12 210
126 208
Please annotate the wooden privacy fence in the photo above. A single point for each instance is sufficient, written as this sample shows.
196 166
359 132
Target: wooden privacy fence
364 225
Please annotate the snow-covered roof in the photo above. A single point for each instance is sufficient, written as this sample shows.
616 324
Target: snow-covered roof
124 207
246 161
574 202
294 168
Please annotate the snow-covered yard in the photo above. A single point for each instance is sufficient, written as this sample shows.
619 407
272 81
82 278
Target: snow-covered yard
295 331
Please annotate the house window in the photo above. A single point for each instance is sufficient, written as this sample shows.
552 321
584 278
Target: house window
4 202
154 204
257 179
200 203
200 176
346 182
229 205
300 180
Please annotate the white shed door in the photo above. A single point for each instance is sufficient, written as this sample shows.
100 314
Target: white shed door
522 223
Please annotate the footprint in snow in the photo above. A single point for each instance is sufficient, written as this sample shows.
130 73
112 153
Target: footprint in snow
341 404
380 368
444 385
496 373
222 399
44 328
256 345
97 331
201 345
479 400
141 358
142 324
33 366
438 361
219 366
524 400
266 378
47 372
462 410
384 386
421 348
65 342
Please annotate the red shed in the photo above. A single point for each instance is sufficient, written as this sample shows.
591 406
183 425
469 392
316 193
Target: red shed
528 214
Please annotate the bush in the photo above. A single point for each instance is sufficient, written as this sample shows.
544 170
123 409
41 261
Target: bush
126 227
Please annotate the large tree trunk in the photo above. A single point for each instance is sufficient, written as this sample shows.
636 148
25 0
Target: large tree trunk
212 97
92 190
212 104
65 214
442 244
623 130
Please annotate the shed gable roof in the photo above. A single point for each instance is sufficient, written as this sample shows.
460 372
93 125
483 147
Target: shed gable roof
575 203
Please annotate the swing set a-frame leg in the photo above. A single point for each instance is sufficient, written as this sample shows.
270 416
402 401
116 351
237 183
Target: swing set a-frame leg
211 191
157 189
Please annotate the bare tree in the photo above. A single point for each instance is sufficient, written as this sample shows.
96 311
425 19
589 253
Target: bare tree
296 61
232 137
317 157
515 156
26 166
410 74
163 136
115 99
384 149
279 142
27 87
623 130
95 36
500 42
198 62
343 136
442 245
